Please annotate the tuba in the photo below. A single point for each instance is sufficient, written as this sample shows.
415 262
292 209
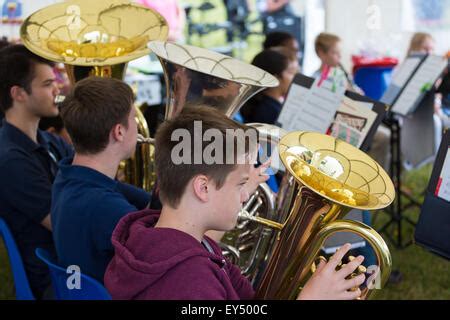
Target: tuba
325 179
98 38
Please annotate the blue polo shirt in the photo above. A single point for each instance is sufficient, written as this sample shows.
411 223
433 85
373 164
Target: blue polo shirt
86 206
27 171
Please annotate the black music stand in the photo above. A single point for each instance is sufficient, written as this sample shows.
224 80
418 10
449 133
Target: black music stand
425 99
434 220
396 208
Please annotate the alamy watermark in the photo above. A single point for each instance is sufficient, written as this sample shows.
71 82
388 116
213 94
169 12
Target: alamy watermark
212 146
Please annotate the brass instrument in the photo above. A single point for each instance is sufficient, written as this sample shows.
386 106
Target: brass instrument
199 76
98 38
326 178
248 244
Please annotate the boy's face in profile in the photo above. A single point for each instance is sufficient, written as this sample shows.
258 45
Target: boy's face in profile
44 89
227 201
332 57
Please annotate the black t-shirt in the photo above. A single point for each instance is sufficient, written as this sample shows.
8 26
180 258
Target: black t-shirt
27 171
261 108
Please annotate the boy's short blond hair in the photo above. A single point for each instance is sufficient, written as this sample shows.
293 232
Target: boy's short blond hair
325 41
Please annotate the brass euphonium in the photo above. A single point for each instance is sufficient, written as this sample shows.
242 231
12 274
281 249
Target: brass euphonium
197 76
98 38
326 178
248 244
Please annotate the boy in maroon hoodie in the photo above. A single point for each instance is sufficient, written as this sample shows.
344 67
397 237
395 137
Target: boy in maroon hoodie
167 255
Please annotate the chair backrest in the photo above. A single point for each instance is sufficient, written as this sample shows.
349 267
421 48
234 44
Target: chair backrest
89 288
23 290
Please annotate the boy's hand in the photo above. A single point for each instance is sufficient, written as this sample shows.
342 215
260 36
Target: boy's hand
257 176
328 284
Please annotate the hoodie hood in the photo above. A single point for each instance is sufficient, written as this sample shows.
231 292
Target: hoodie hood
145 254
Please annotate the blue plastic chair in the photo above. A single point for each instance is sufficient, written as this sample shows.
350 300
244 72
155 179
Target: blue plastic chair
90 289
23 290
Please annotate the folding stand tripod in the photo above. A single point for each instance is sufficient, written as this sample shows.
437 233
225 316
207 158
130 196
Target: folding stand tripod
395 210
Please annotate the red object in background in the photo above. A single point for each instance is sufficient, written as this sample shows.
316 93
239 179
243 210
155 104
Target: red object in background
361 61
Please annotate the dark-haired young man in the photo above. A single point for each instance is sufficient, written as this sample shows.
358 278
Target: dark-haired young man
28 156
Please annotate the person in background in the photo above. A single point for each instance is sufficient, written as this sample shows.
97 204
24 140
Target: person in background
282 39
265 106
55 125
174 14
328 49
422 43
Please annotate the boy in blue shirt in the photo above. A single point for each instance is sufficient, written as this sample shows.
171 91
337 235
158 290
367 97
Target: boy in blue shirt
87 200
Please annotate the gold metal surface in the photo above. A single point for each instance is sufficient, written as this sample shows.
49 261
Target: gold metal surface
93 32
326 178
98 38
199 76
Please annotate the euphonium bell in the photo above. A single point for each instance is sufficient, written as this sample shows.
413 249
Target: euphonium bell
326 178
98 38
197 76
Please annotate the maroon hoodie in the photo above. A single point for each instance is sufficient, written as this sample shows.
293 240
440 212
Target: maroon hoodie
165 263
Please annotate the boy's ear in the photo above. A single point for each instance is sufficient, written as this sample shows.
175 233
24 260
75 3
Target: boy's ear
201 185
17 93
117 132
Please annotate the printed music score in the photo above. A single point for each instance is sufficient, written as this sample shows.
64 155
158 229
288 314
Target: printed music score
313 109
353 121
421 82
443 186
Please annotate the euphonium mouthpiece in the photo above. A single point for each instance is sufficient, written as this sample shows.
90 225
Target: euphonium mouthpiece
142 139
59 99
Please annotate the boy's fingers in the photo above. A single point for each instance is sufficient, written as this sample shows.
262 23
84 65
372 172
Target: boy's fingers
355 282
321 265
352 295
337 257
350 267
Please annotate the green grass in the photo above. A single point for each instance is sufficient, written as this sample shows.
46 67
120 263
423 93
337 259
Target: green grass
6 280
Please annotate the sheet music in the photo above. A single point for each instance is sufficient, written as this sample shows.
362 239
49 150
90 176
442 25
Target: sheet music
443 187
290 109
353 121
405 70
313 109
421 82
